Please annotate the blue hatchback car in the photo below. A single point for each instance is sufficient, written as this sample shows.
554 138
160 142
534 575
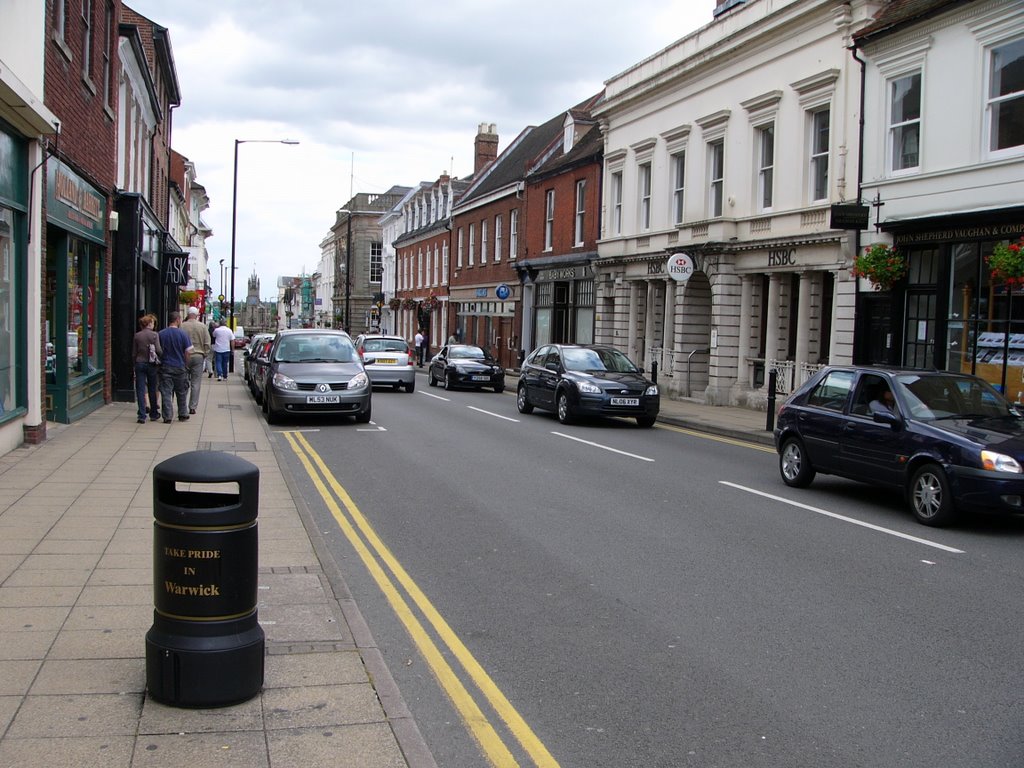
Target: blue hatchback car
949 441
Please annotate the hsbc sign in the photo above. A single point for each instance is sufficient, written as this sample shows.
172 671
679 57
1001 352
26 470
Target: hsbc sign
679 267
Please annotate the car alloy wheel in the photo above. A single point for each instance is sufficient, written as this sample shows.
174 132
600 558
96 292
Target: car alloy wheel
930 497
448 385
794 467
564 409
522 401
430 377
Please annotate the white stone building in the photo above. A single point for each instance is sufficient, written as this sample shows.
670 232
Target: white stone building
393 225
730 146
323 283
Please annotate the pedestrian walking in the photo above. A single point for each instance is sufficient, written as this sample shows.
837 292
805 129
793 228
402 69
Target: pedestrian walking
223 340
201 348
146 351
418 345
209 364
177 347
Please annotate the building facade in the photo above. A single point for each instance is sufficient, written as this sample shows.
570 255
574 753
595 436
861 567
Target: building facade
724 152
944 174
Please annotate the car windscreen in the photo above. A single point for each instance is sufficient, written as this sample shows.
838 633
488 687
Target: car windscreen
467 353
934 396
586 359
315 348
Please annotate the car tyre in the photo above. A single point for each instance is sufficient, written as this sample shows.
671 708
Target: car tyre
448 385
645 421
794 466
430 378
499 388
363 417
522 401
564 408
410 387
273 416
931 501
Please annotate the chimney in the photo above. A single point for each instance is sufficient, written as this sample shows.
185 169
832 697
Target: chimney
486 146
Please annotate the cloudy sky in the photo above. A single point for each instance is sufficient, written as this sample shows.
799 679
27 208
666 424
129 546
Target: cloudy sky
378 94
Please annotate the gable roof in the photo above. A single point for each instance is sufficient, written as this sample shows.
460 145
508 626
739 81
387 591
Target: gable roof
517 160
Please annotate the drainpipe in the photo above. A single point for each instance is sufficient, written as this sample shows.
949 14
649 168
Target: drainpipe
857 343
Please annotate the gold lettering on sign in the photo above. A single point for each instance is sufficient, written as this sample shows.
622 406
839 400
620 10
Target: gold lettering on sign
199 590
193 554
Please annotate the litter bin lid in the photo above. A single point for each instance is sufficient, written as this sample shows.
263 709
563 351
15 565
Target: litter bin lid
205 508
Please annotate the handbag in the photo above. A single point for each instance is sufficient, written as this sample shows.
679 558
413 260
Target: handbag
154 358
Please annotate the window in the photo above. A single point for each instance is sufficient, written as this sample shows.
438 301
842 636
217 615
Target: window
444 262
437 264
905 121
483 241
617 203
513 233
497 237
86 38
458 252
819 154
108 27
644 193
11 389
581 187
1006 96
716 176
765 165
832 392
60 19
427 271
678 186
472 240
376 262
549 219
419 268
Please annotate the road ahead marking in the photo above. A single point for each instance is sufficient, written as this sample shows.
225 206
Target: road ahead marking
845 519
602 447
490 413
376 557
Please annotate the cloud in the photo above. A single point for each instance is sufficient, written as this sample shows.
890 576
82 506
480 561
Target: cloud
378 94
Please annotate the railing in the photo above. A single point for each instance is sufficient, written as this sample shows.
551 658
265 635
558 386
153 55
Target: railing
790 375
689 392
665 358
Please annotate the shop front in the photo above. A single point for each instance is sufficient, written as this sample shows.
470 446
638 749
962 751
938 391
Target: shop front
76 290
13 258
948 312
559 306
486 316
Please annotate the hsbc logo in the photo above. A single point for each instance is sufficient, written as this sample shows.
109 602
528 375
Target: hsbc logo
680 267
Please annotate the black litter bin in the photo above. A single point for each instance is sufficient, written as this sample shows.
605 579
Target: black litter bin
206 647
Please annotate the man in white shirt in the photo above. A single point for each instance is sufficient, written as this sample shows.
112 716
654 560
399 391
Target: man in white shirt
223 342
418 343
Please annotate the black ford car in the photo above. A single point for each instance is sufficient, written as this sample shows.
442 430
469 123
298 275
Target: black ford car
595 380
949 441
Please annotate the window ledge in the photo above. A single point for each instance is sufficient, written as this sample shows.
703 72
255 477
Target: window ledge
62 46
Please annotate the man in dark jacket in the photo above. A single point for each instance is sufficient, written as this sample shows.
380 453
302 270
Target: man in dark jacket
177 347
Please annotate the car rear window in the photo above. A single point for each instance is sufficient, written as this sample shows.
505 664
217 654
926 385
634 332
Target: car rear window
832 391
385 345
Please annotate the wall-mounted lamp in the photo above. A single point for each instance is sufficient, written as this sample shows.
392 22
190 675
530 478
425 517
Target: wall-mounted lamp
113 220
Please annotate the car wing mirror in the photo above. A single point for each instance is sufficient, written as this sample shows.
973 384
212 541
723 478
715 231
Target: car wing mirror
552 367
885 417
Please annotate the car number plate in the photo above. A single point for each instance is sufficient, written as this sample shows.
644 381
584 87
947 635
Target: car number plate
385 361
322 399
481 378
625 401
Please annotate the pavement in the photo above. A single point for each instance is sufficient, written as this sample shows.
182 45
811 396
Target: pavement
76 602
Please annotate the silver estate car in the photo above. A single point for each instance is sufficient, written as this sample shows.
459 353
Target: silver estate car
315 371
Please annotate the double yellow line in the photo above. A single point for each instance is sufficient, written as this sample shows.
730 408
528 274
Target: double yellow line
378 561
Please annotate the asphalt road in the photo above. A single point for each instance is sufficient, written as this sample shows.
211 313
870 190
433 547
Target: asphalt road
639 602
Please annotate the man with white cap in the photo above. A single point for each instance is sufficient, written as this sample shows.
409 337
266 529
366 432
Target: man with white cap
200 337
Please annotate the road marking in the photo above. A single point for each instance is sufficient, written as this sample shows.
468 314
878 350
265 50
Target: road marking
489 413
845 519
717 438
374 428
436 397
493 747
602 447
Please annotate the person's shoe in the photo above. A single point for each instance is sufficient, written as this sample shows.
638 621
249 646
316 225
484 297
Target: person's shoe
192 411
167 421
140 421
209 375
183 418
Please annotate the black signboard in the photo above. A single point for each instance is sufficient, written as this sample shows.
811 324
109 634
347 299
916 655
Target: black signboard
849 216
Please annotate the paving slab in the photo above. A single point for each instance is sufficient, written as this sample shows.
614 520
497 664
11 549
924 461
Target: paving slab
224 750
86 752
67 676
82 715
351 746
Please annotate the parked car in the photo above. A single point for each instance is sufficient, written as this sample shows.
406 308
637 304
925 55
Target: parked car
247 353
387 360
315 371
949 441
593 380
465 365
259 364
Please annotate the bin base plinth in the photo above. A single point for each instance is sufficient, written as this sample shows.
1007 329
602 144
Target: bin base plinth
204 664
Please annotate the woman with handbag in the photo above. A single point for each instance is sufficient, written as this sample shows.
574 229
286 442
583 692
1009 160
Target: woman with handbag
146 353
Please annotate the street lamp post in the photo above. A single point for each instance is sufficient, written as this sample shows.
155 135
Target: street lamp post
234 221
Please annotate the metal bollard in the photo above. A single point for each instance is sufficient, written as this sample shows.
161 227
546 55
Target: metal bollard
654 371
773 380
206 647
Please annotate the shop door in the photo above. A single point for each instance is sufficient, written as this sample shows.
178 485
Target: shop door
919 329
879 344
560 331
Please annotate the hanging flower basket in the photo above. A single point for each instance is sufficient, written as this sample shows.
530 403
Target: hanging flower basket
409 303
880 264
1006 264
395 304
429 304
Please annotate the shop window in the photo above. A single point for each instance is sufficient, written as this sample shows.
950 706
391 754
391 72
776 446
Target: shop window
84 349
9 394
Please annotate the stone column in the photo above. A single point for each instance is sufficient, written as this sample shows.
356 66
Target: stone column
668 334
803 320
649 324
743 351
631 320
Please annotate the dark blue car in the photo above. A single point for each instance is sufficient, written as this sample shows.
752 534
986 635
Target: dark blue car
948 440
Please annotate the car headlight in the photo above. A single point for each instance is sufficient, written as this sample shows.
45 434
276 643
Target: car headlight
590 389
358 381
1000 462
284 382
651 391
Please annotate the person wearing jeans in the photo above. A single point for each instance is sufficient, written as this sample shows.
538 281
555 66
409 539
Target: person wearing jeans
177 347
223 340
146 353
